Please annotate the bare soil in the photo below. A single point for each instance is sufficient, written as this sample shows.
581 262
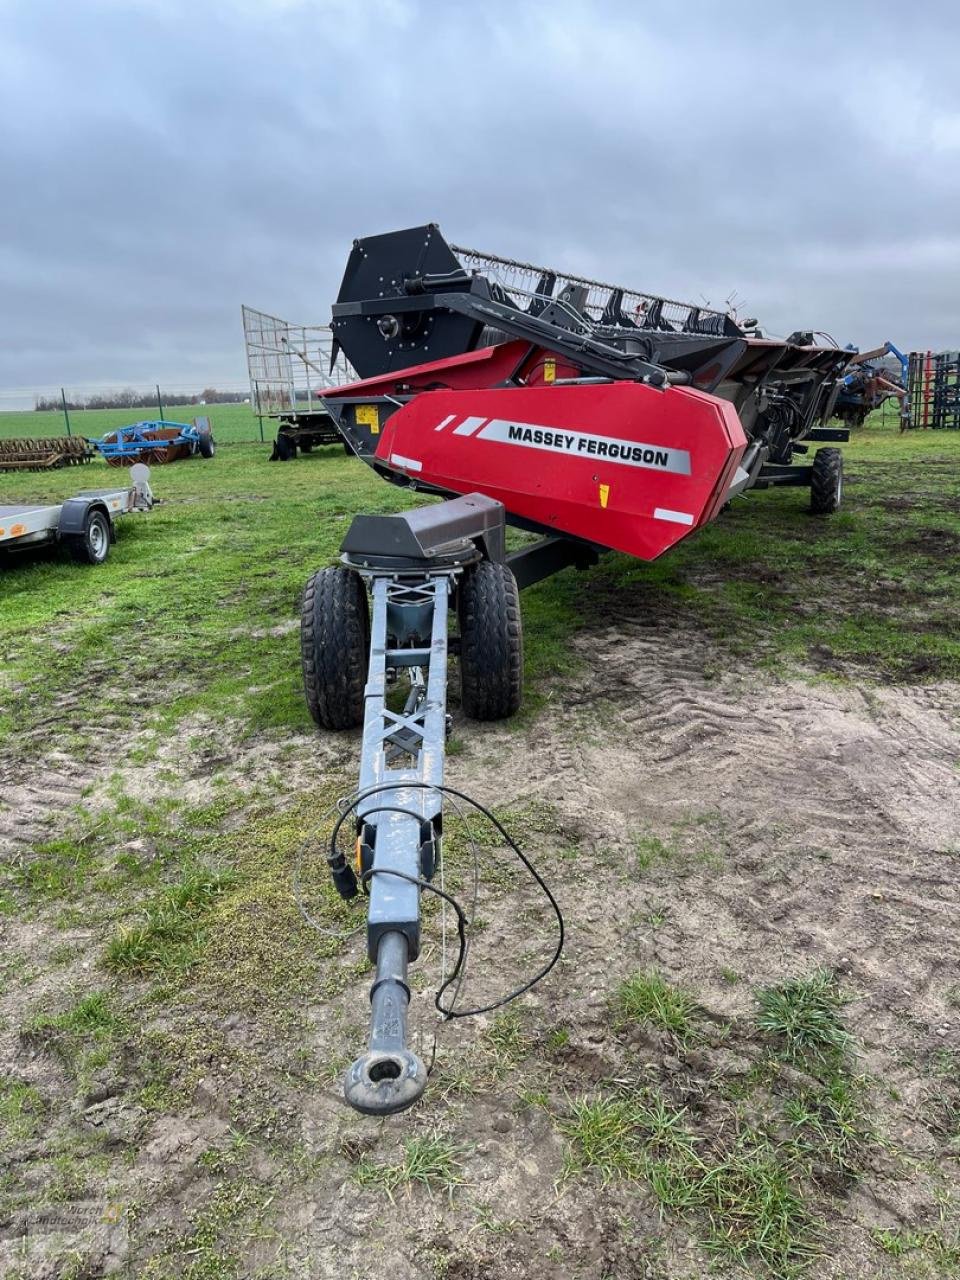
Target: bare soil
801 822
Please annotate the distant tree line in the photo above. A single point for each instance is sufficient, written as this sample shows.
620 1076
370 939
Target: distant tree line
130 399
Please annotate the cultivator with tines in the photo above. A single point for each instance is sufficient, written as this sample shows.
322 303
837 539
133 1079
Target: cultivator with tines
44 454
600 417
934 382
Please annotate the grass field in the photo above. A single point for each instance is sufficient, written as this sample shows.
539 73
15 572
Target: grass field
171 1030
228 548
231 422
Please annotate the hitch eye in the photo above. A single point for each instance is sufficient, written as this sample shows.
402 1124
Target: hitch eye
385 1069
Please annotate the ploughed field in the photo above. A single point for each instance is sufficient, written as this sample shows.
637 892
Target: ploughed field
738 770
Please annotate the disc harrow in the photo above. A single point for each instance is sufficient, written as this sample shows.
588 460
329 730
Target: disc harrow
44 454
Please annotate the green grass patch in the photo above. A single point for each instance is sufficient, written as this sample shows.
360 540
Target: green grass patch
21 1110
259 952
745 1194
213 1247
751 1166
507 1039
829 1127
648 850
696 842
931 1252
649 1000
431 1161
56 869
83 1037
92 1015
174 927
803 1016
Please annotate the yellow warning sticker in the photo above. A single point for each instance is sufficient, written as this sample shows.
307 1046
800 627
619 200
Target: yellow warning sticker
549 370
368 415
604 495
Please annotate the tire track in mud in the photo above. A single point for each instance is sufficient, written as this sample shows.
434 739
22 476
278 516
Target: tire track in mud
33 801
40 797
835 810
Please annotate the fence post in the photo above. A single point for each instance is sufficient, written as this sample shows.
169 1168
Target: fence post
66 415
259 414
159 402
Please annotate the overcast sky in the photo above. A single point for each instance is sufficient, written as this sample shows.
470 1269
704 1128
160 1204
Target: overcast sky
162 162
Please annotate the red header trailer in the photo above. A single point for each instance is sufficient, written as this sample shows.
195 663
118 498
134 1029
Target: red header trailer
596 416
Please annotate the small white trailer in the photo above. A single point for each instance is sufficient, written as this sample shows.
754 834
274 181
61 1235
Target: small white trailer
85 524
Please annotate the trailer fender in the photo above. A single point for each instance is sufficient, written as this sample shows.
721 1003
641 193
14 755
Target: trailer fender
73 516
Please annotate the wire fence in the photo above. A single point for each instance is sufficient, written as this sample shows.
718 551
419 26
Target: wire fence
90 411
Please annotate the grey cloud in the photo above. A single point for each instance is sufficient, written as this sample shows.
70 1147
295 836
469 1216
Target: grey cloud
164 161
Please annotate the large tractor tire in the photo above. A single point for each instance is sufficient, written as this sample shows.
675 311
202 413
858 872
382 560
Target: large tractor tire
334 644
826 482
491 642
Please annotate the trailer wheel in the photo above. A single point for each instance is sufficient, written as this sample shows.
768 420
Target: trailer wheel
334 644
826 482
93 545
207 446
491 642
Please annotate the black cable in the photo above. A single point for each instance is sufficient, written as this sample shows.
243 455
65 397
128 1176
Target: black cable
441 893
335 854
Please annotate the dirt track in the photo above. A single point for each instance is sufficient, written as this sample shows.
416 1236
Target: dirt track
794 824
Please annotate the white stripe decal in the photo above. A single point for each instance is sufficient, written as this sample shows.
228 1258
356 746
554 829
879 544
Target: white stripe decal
408 464
675 517
468 426
445 423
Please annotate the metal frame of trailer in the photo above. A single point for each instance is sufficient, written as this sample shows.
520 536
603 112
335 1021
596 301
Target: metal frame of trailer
85 524
290 367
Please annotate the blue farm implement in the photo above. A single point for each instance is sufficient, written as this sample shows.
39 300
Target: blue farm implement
869 382
158 442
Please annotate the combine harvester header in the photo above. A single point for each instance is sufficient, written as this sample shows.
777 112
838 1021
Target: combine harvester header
600 418
588 409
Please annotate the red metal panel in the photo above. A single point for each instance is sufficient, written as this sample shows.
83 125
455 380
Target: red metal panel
620 464
481 368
